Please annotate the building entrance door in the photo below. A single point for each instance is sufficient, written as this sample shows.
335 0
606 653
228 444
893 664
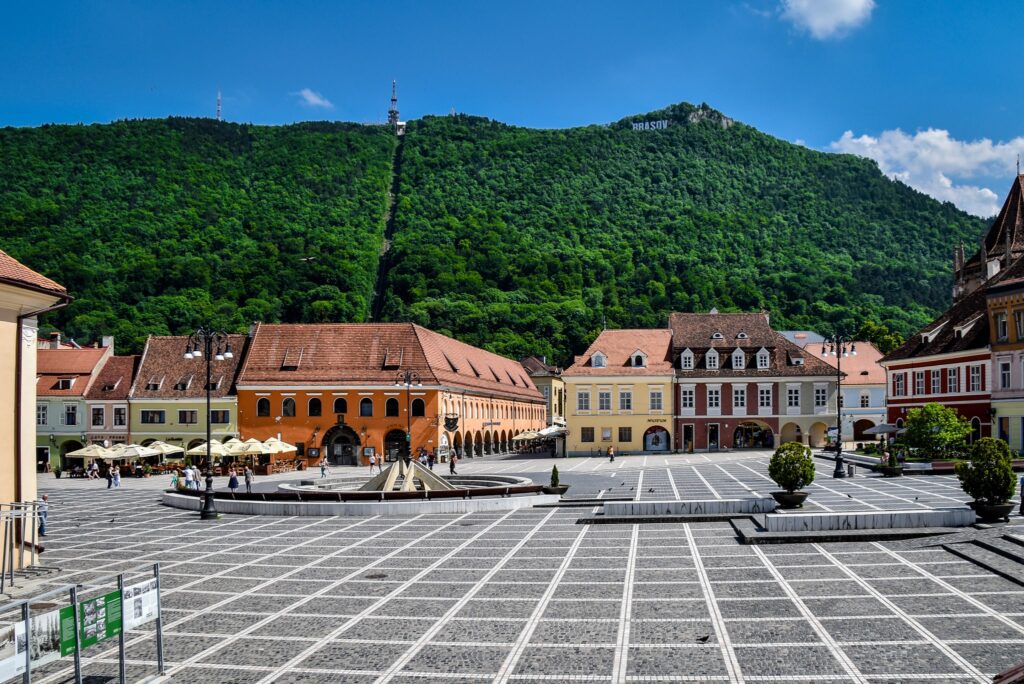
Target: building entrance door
688 438
713 443
341 446
394 445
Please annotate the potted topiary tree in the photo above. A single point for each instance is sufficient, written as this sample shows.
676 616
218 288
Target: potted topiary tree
792 468
988 478
555 487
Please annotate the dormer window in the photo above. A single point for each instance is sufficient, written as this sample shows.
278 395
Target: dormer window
718 336
739 360
741 335
65 383
686 360
712 359
154 384
638 360
763 359
598 360
183 383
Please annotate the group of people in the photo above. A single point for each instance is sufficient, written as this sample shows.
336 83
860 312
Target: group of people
193 479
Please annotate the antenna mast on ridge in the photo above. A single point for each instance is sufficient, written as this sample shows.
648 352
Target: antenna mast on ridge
393 109
218 104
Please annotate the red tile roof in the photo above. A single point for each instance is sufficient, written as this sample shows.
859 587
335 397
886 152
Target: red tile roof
862 369
175 377
373 354
16 273
618 347
114 381
68 361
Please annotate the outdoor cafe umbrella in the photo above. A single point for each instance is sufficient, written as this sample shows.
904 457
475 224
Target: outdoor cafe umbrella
165 449
525 436
276 446
232 444
91 451
250 447
129 451
216 449
883 429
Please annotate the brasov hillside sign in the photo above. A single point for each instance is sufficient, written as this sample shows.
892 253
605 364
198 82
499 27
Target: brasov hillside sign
659 125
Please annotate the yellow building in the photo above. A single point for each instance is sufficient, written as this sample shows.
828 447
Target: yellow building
548 380
24 295
619 394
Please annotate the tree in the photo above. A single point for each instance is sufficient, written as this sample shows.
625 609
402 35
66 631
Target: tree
936 431
988 478
791 466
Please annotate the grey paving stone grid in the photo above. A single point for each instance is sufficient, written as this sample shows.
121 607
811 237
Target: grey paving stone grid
532 596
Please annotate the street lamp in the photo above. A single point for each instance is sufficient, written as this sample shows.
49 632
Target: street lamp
215 346
839 346
408 378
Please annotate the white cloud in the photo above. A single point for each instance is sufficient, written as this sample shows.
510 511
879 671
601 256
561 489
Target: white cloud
827 18
311 98
937 164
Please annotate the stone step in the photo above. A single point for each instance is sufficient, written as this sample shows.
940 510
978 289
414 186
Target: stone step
604 519
750 532
1003 547
713 507
989 560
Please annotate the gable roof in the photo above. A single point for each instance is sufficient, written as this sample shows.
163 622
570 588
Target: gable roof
538 367
164 360
619 346
1009 223
373 354
862 369
13 272
117 374
79 365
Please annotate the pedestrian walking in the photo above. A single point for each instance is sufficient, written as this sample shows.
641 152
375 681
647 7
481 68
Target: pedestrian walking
174 479
232 481
430 460
373 462
380 463
189 481
94 470
117 477
44 509
451 464
611 454
110 476
248 480
323 468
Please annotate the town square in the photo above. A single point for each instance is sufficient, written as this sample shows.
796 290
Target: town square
532 342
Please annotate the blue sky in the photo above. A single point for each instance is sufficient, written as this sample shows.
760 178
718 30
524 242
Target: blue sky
930 90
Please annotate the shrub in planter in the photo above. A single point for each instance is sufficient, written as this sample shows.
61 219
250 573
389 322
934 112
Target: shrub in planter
554 476
988 478
555 487
792 468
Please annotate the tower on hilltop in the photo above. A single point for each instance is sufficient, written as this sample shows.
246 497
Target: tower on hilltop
398 126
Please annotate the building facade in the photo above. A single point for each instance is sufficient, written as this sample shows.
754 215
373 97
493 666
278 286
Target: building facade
106 402
548 380
619 394
167 401
1005 304
862 398
64 376
340 392
24 296
741 384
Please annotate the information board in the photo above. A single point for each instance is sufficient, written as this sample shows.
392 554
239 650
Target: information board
100 618
140 604
43 642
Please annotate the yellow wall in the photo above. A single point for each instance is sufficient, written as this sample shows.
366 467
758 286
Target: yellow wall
639 419
181 434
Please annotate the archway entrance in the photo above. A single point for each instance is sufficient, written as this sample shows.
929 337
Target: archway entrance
752 435
341 446
457 444
657 439
819 435
860 426
70 461
394 445
975 429
791 432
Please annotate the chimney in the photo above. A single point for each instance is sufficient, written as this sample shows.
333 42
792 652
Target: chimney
984 258
544 359
55 340
107 341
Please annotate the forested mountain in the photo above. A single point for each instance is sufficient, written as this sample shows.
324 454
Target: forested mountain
520 240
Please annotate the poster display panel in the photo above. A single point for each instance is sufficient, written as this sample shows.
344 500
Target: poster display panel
140 604
100 618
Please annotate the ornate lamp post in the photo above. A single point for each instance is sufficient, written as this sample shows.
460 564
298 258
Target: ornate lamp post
839 346
216 347
408 378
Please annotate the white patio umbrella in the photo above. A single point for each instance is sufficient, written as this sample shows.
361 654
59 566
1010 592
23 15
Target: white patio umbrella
250 447
216 449
526 436
91 451
132 451
166 449
276 446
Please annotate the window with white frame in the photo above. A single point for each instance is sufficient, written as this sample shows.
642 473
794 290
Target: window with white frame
606 434
625 400
120 416
820 397
188 417
899 384
763 359
41 414
70 414
936 382
865 399
546 391
686 398
711 359
1018 322
604 400
639 361
764 397
65 383
656 404
952 380
739 398
597 360
98 418
1004 375
714 398
975 378
793 397
918 382
738 359
1002 328
686 360
582 400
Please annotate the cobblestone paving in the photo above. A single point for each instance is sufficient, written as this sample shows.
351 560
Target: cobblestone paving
530 595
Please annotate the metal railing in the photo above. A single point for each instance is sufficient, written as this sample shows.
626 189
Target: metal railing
19 539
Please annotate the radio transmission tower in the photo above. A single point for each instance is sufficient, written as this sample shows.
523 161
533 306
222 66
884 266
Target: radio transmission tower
218 104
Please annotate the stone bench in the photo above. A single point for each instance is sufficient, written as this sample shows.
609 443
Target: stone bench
703 507
870 520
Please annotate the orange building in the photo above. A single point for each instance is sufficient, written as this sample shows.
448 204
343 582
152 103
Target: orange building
346 391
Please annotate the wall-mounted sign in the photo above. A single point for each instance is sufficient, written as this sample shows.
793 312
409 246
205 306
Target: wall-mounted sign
659 125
